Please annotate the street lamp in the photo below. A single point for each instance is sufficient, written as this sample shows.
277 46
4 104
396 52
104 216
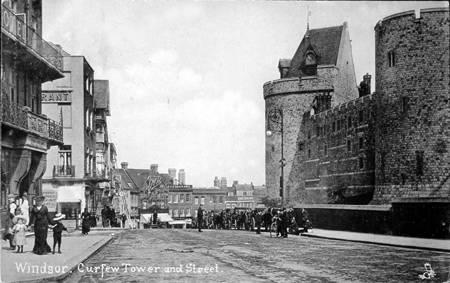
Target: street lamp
276 116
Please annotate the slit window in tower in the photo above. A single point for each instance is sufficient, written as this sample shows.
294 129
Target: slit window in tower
419 163
391 58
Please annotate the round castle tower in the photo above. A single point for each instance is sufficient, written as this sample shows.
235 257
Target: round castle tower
413 106
322 67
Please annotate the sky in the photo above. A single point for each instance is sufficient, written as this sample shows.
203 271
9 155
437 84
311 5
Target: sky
186 77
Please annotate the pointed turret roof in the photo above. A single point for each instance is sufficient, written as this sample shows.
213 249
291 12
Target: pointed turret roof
325 44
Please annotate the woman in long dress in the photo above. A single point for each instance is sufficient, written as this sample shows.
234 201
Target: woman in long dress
86 222
40 219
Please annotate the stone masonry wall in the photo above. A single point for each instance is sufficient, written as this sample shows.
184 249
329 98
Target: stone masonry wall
413 106
334 162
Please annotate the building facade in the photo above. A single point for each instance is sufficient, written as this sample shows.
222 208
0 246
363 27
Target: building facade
180 201
104 162
321 68
211 199
240 196
27 61
390 146
70 182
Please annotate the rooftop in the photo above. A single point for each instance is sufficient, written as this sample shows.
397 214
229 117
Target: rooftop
325 43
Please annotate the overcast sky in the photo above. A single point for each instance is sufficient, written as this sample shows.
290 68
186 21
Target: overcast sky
186 77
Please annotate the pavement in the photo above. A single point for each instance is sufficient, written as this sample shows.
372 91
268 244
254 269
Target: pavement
388 240
29 267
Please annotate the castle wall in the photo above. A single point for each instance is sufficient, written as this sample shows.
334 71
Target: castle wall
334 162
413 106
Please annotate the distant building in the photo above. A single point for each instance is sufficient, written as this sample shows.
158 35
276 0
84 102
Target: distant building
181 177
180 201
212 199
240 196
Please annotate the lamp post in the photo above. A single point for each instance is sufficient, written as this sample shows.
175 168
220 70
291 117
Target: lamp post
276 116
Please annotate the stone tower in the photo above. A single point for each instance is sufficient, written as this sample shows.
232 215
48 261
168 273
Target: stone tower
321 66
413 106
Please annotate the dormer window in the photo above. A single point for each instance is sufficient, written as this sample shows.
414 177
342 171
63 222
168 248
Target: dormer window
310 59
310 65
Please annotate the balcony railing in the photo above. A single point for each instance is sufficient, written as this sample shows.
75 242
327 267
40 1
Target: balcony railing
22 118
17 28
63 171
55 131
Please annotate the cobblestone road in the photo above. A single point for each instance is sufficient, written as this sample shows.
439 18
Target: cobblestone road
240 256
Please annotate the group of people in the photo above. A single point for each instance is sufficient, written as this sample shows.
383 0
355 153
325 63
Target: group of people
252 220
109 217
22 218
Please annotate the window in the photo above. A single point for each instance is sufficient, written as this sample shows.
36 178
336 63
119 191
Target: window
325 149
391 58
188 212
333 127
404 104
188 197
170 199
175 198
196 200
349 121
361 162
361 143
220 199
419 163
349 146
202 200
181 197
175 213
361 116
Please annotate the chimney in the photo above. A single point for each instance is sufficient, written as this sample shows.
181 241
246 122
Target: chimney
154 168
366 79
124 165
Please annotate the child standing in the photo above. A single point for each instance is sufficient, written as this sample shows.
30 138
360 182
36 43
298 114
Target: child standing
19 232
57 231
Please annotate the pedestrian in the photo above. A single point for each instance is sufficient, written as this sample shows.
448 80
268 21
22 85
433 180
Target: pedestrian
199 218
258 220
105 216
9 221
85 222
124 220
284 223
19 232
40 219
57 231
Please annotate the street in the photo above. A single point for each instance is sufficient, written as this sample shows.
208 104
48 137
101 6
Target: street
230 256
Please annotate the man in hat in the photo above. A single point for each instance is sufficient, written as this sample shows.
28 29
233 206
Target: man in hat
57 231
